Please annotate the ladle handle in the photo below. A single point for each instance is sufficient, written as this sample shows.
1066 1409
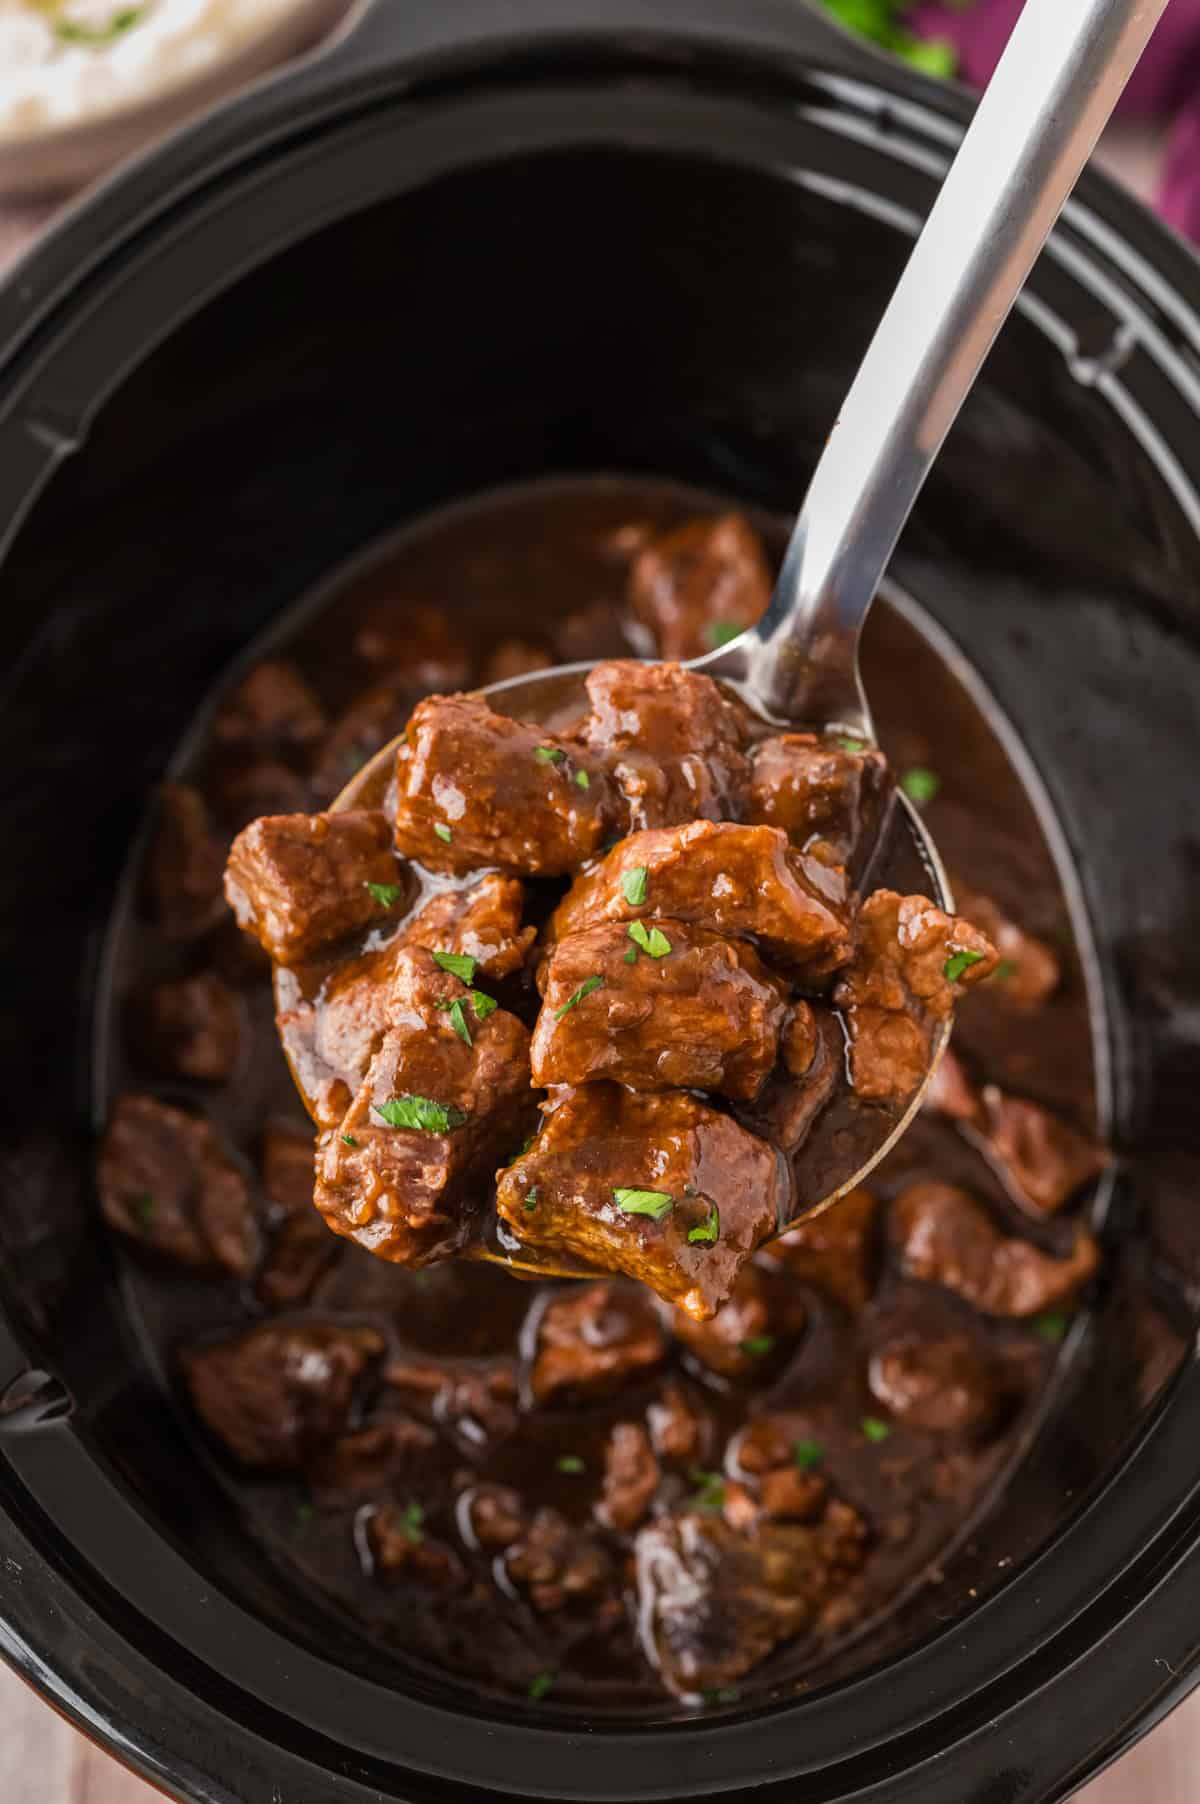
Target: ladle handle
1055 86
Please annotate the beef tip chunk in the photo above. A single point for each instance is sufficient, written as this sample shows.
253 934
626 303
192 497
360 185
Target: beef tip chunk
1029 971
826 788
677 1431
279 1393
700 584
658 1187
788 1495
593 1340
834 1250
186 860
477 1404
951 1092
714 1602
945 1237
747 1337
482 921
444 1098
414 642
191 1028
494 1516
910 963
1041 1159
474 788
557 1565
369 1460
684 1009
630 1477
166 1181
302 1250
286 1162
671 741
263 788
513 658
744 882
812 1062
273 709
399 1548
944 1384
297 881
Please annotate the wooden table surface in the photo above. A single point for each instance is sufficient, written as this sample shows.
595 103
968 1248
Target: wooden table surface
43 1760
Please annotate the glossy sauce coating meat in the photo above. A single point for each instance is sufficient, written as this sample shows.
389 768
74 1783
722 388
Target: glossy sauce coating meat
945 1237
700 584
297 881
671 740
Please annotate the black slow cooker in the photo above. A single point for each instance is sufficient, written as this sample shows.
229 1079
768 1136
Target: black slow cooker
474 242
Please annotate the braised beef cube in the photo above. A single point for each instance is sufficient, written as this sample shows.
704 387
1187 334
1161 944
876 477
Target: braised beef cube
416 643
185 865
946 1384
945 1237
677 1431
951 1092
812 1063
1029 971
264 788
166 1181
700 584
786 1494
513 658
271 709
444 1098
399 1548
828 788
370 1460
713 1602
286 1162
750 1334
483 922
191 1028
556 1564
671 741
302 1250
476 1404
835 1249
592 1340
681 1008
298 881
630 1477
1041 1159
910 964
374 718
764 1443
659 1187
280 1392
744 882
495 1516
474 788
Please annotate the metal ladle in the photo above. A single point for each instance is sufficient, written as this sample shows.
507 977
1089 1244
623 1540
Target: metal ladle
1052 92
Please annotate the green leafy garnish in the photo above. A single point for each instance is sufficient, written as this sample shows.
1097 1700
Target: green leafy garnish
720 632
720 1694
757 1345
1053 1326
483 1004
633 882
570 1462
585 989
1003 971
442 831
71 32
582 779
655 942
958 962
540 1686
349 1140
422 1113
459 964
808 1455
920 785
411 1518
386 893
655 1203
874 1429
458 1019
548 754
710 1489
707 1231
531 1197
851 745
143 1207
630 957
304 1513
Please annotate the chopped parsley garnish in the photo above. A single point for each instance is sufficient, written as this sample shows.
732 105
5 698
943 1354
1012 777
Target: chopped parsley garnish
459 964
349 1140
655 942
631 956
570 1462
458 1019
71 32
874 1429
483 1004
919 784
582 779
850 745
710 1489
1053 1326
548 754
720 632
143 1207
958 962
655 1203
720 1694
531 1198
808 1455
386 894
757 1345
1003 971
304 1513
411 1518
585 989
422 1113
442 831
540 1686
707 1231
633 882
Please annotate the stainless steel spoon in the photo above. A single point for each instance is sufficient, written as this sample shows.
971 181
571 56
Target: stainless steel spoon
1053 90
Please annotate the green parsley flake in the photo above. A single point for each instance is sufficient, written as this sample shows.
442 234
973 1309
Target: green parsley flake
1053 1326
570 1462
458 1019
582 779
143 1207
548 754
585 989
442 831
655 1203
633 882
720 632
705 1233
851 745
483 1004
540 1686
71 32
959 962
419 1112
459 964
920 785
757 1345
304 1513
710 1489
874 1429
349 1140
808 1455
531 1198
1003 971
386 894
411 1518
654 942
631 956
720 1694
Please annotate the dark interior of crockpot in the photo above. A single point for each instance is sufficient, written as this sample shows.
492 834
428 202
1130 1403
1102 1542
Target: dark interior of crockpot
568 313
